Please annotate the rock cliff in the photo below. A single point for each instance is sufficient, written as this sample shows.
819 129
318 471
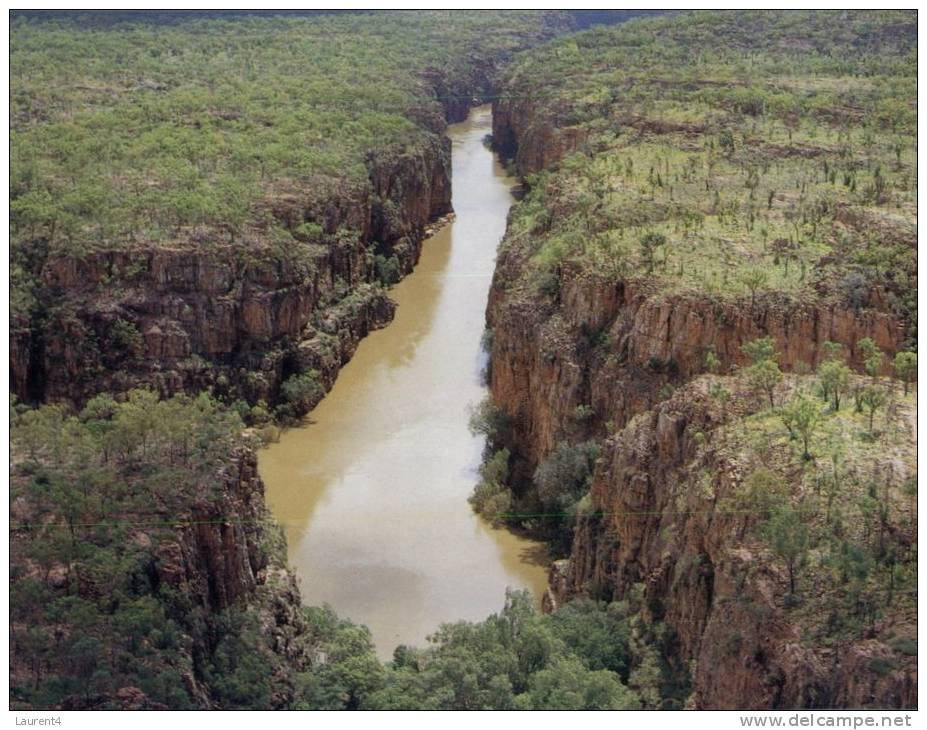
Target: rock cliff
663 491
234 318
216 560
291 291
617 347
613 345
531 134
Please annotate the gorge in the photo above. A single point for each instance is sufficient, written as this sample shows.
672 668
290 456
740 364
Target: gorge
247 330
373 491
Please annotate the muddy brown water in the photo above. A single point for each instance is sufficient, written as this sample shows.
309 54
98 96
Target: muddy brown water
372 491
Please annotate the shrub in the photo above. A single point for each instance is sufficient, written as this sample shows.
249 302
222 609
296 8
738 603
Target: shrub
564 476
124 336
649 244
855 290
802 417
882 665
488 420
906 368
491 497
765 376
302 390
760 349
309 231
904 645
834 377
583 413
548 284
388 270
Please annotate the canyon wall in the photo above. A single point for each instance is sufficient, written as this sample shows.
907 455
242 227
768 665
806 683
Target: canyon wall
225 554
530 134
619 348
545 363
707 575
241 318
212 563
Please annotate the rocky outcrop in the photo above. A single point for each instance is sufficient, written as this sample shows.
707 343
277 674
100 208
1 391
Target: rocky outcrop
219 558
530 137
236 318
613 345
706 575
215 554
207 557
616 349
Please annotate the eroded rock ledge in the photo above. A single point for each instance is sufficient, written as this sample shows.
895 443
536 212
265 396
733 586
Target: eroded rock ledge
613 346
201 315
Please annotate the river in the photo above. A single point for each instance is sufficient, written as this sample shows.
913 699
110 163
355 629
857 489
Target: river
372 492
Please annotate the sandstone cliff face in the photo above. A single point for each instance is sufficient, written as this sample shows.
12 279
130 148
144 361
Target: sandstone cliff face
219 559
532 141
215 554
614 346
212 555
709 578
225 317
240 319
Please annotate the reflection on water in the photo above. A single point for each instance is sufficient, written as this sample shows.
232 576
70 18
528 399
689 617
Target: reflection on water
373 492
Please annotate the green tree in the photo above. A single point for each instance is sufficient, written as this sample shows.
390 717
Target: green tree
872 398
836 451
649 244
489 420
646 680
872 356
854 564
721 394
568 685
788 537
832 350
802 416
834 377
754 279
303 389
762 490
906 368
563 477
597 632
760 350
125 337
491 497
712 361
388 270
765 376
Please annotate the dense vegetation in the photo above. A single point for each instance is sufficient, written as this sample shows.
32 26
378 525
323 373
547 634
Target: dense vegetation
136 132
132 134
92 496
736 154
94 622
585 656
830 482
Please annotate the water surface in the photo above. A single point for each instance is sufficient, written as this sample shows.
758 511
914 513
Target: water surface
373 490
